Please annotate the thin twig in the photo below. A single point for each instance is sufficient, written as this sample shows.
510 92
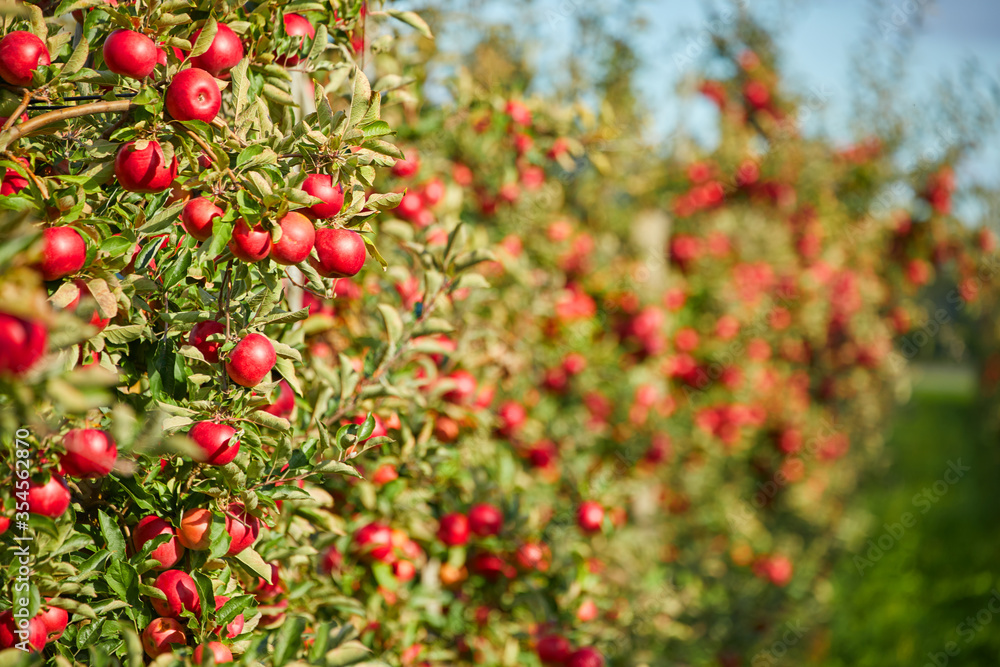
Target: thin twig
17 112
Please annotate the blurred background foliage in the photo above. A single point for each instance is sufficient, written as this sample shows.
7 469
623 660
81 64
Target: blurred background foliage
927 590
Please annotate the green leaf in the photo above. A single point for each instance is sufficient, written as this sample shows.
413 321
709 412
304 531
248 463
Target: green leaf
278 96
433 325
112 535
178 269
205 592
338 467
78 58
241 85
270 421
38 22
360 100
288 641
205 38
393 322
254 563
378 128
349 653
116 246
412 19
218 537
67 6
232 609
320 43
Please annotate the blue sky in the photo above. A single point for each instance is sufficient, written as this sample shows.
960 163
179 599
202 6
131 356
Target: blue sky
818 39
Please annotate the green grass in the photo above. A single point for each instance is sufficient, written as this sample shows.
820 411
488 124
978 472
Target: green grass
918 596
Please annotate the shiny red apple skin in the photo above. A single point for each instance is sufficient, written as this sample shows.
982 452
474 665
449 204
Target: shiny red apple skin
198 216
21 53
193 95
243 528
216 441
251 360
341 253
322 187
22 343
250 245
198 338
144 170
64 252
298 235
50 499
226 50
90 453
130 53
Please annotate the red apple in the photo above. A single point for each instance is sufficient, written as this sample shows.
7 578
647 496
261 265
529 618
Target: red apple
144 169
50 499
332 560
20 54
235 626
322 187
153 526
161 635
194 529
404 570
226 50
465 387
9 637
243 528
374 541
55 620
341 253
488 565
13 182
130 53
64 252
454 529
89 453
193 95
198 216
269 592
590 516
216 441
4 524
485 519
296 25
297 238
199 338
533 556
585 657
181 594
22 343
553 649
385 474
285 404
408 166
250 245
251 360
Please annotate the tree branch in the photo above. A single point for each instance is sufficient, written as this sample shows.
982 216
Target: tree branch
15 133
17 112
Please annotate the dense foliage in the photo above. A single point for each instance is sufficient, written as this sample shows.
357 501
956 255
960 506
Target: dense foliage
600 406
